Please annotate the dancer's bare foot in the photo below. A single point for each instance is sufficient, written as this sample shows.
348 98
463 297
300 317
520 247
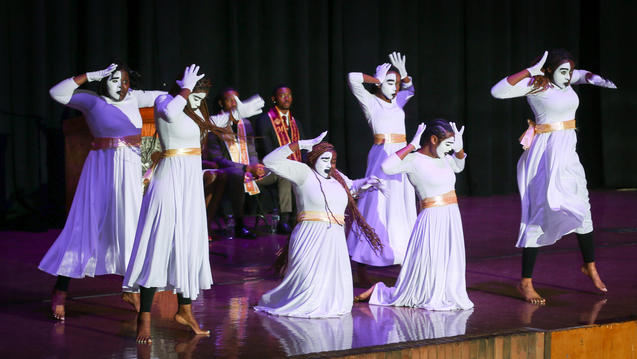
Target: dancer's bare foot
143 328
184 317
364 297
525 287
132 299
58 299
590 270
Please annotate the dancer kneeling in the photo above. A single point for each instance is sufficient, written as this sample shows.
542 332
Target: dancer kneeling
318 279
433 273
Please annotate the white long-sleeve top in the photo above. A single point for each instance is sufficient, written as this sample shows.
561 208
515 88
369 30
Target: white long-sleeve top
308 183
106 117
383 117
549 106
430 176
175 128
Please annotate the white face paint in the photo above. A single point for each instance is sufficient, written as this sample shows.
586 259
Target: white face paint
562 75
114 85
323 164
388 87
195 98
444 147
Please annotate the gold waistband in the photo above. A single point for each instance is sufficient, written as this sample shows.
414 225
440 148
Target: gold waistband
556 126
439 201
102 143
181 152
320 217
381 138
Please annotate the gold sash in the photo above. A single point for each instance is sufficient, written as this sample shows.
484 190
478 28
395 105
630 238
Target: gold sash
102 143
527 137
281 130
439 201
320 217
173 152
381 138
238 149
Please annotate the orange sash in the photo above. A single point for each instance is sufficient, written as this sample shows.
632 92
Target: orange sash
238 149
439 201
280 128
320 216
527 137
102 143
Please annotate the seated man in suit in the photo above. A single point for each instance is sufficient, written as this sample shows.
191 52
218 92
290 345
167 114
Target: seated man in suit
276 128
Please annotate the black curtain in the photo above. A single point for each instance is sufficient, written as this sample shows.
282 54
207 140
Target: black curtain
456 50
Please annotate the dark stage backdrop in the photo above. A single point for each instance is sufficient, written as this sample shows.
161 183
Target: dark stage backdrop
456 50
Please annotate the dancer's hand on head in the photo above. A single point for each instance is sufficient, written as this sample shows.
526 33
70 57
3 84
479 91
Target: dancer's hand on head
597 80
308 144
458 144
536 69
381 72
98 75
252 106
191 76
399 62
416 140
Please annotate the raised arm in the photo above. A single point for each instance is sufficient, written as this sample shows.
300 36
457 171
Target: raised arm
66 92
169 107
296 172
407 88
518 84
146 98
394 164
581 77
356 81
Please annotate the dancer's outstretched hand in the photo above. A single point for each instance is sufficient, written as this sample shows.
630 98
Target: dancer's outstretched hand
373 182
381 72
252 106
191 76
399 62
536 69
458 144
308 144
98 75
597 80
416 140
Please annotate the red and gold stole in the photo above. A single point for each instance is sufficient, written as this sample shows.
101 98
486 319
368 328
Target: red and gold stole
280 127
238 149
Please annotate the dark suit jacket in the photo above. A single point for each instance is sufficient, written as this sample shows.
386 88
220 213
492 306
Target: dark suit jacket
266 137
217 151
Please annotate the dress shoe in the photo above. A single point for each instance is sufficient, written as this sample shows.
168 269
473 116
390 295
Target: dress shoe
283 228
243 232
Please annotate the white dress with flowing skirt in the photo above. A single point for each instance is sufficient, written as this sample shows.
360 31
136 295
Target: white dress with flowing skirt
318 279
551 179
392 215
171 245
433 273
98 235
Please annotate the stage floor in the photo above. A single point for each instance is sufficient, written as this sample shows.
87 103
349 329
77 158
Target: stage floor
99 325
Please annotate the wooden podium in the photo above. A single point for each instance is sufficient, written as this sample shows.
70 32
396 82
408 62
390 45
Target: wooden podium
77 144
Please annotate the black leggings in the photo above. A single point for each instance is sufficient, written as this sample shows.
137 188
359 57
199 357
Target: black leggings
146 298
62 283
586 246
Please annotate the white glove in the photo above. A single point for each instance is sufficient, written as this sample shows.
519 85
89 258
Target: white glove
399 63
536 69
252 106
375 183
308 144
457 140
381 72
98 75
600 81
416 141
190 78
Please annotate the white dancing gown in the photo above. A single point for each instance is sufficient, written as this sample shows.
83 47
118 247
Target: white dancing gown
392 215
318 279
171 244
551 179
433 273
98 235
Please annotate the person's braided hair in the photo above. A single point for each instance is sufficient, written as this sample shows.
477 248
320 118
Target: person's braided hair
351 212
